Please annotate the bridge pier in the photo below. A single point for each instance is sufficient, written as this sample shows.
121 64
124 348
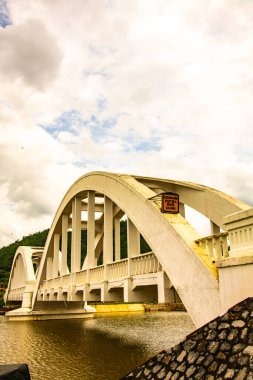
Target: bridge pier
165 294
73 294
129 294
91 295
108 295
27 295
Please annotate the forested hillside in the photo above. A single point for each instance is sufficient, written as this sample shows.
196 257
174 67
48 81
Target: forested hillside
38 240
7 253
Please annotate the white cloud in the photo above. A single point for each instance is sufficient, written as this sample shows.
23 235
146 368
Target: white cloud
29 52
159 88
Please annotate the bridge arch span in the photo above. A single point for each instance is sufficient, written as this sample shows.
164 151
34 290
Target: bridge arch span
23 272
171 238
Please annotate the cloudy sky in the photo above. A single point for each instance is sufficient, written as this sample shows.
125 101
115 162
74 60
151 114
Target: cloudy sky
152 87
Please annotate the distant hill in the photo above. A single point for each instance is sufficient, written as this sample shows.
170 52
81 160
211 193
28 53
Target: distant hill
38 239
7 253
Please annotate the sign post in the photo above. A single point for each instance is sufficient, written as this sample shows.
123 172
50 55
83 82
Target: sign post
170 203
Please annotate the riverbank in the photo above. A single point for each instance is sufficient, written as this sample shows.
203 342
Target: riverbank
137 307
221 349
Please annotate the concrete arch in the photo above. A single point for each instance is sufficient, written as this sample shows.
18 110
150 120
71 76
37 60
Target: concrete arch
22 272
212 203
171 237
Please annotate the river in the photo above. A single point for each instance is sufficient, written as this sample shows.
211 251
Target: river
104 348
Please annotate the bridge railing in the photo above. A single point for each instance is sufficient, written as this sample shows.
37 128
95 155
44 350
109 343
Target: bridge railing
80 277
58 282
96 274
139 265
145 263
216 245
16 294
66 280
117 269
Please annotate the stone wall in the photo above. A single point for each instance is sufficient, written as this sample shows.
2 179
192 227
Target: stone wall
170 306
221 349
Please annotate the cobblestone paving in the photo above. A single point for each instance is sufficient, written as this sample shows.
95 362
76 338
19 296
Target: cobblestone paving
221 349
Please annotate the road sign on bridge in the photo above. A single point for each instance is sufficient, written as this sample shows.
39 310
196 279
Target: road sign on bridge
170 203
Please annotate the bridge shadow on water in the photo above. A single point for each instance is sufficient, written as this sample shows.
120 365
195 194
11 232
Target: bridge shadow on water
100 348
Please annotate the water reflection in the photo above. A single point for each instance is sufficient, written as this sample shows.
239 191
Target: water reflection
101 348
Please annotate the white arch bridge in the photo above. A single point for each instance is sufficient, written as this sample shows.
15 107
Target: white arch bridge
208 274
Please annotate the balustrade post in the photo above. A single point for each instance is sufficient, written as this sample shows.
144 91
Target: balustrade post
224 244
209 245
216 248
76 235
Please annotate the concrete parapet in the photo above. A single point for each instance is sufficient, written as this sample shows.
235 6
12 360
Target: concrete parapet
240 233
235 280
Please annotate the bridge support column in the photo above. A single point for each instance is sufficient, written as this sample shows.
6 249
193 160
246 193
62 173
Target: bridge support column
117 238
76 235
64 244
49 273
73 295
27 295
165 294
56 255
108 296
91 260
108 234
133 243
90 296
131 295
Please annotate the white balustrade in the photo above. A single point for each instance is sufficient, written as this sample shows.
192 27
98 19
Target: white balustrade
117 269
216 245
80 278
66 280
96 274
141 264
16 294
57 282
145 263
51 284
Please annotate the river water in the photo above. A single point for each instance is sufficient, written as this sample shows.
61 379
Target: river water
106 347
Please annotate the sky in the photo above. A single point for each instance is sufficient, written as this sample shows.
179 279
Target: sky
158 88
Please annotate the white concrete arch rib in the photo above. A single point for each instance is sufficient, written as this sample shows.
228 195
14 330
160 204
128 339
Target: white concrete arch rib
23 273
170 237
